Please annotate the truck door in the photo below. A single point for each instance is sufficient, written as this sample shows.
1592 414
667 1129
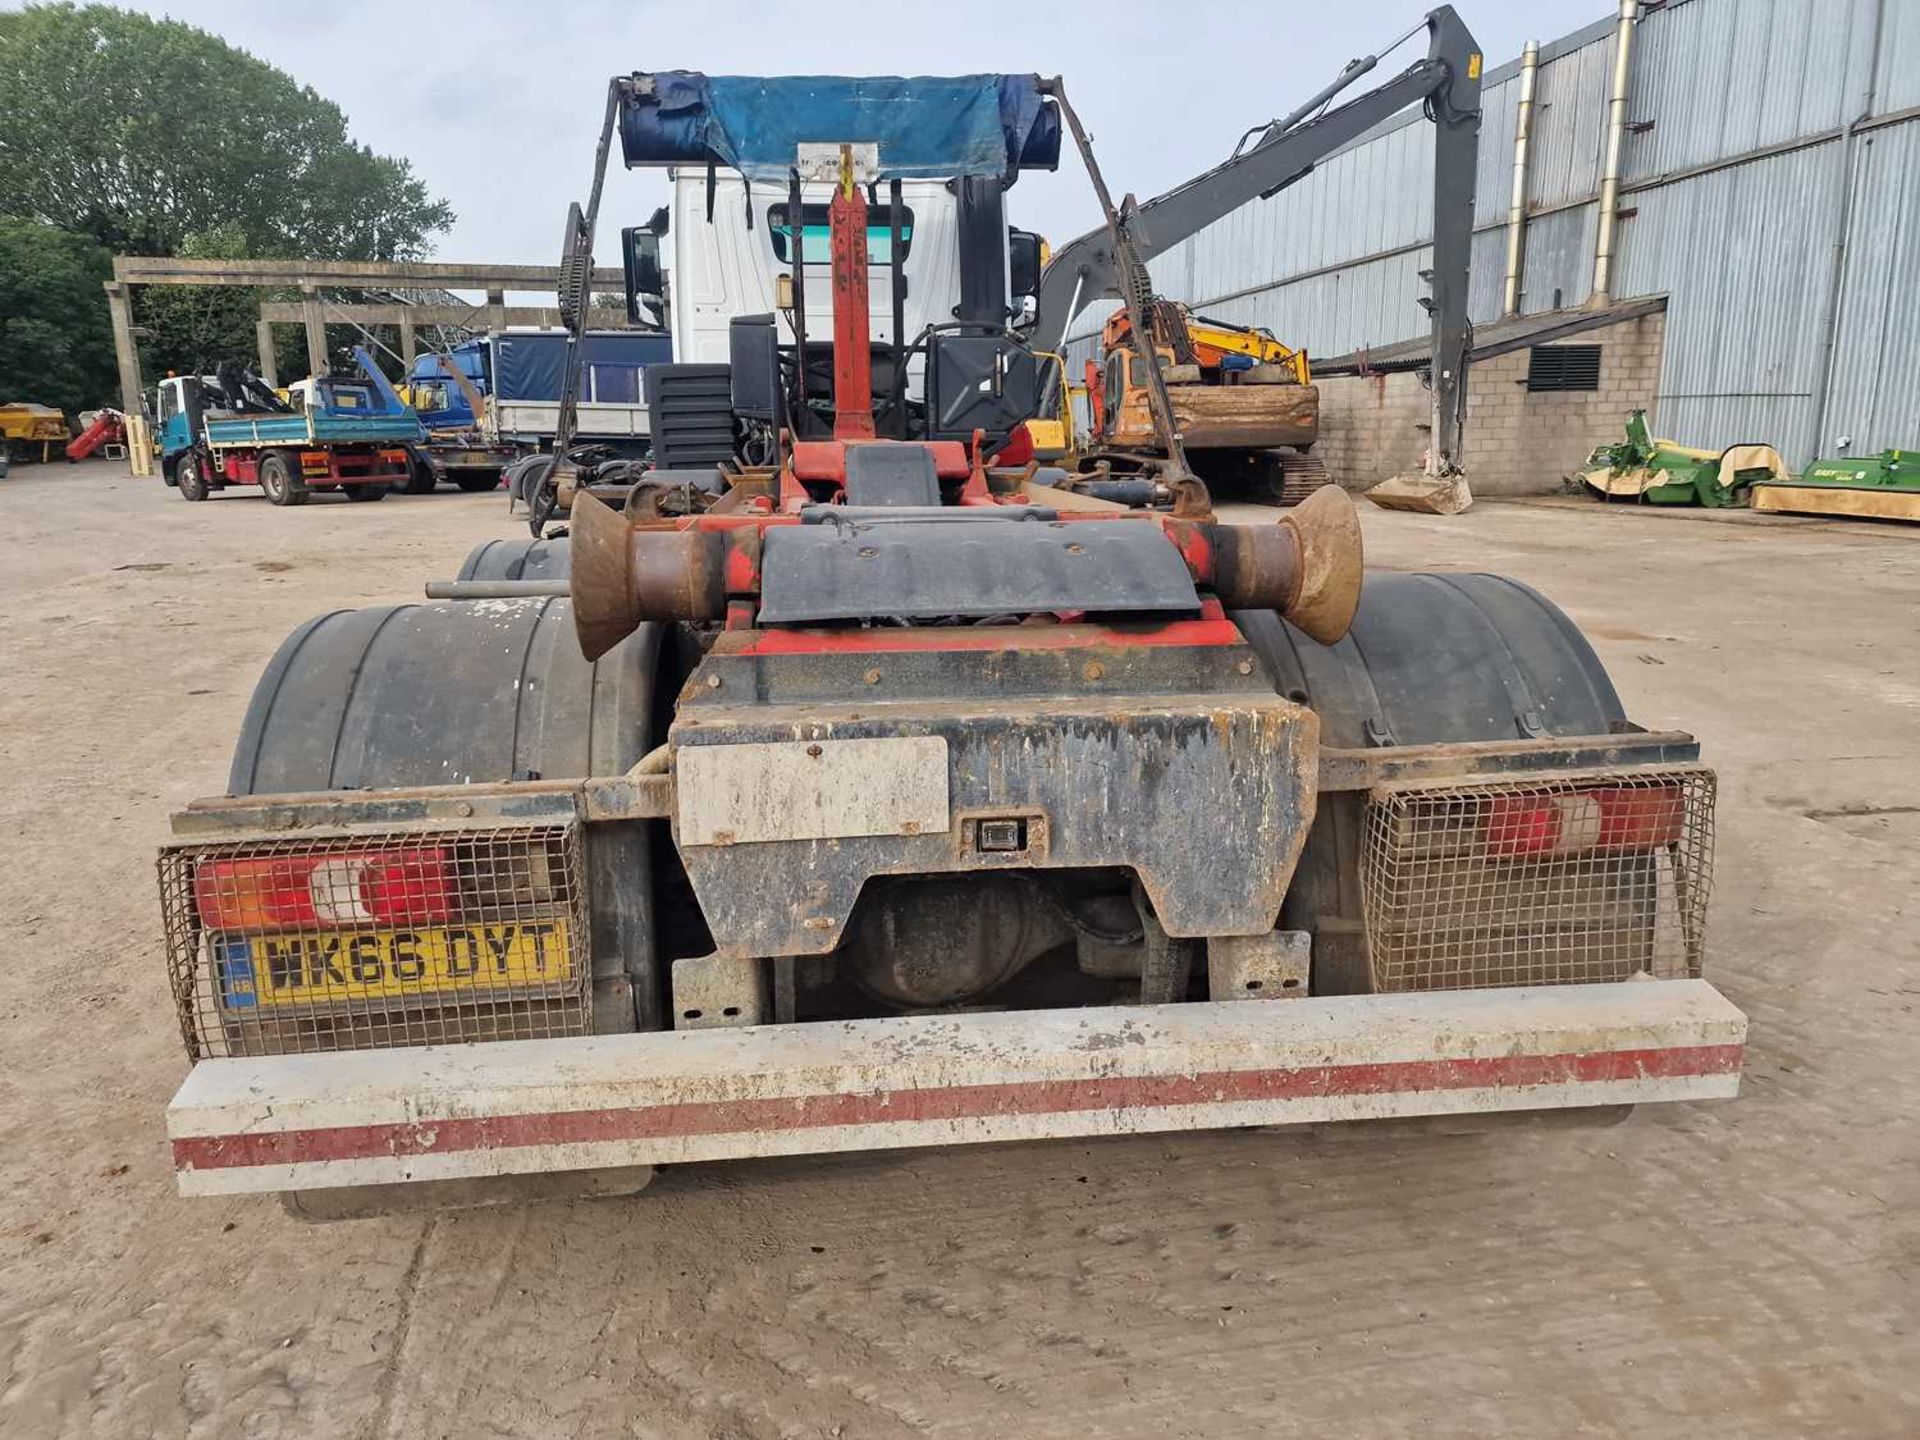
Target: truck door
169 411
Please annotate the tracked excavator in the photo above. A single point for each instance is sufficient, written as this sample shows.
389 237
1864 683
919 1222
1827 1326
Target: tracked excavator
1244 404
866 793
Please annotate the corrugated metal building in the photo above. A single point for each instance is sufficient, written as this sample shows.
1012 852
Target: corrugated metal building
1770 188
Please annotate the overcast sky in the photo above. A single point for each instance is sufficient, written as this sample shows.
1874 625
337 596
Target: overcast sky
498 105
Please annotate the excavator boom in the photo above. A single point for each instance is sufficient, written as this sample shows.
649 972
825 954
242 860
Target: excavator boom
1446 83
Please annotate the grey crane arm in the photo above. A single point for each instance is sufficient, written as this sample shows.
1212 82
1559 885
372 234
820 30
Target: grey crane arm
1083 270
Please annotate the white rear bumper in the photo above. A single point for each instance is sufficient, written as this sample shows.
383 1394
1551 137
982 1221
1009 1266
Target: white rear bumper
533 1106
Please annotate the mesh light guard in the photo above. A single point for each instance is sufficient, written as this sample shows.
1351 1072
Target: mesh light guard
522 919
1447 910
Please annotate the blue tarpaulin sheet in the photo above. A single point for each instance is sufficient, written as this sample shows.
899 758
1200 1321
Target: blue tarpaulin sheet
924 126
530 367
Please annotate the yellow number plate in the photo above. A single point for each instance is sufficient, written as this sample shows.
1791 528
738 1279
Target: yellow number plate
263 971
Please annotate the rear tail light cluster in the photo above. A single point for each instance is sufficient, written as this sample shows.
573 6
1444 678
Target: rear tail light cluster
331 890
1604 820
1577 879
319 942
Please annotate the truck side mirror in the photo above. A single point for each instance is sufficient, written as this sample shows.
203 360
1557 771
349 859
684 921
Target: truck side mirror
1023 263
640 253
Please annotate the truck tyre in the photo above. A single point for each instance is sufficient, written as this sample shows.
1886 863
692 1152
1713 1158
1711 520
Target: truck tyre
190 477
376 491
281 481
420 477
477 482
458 692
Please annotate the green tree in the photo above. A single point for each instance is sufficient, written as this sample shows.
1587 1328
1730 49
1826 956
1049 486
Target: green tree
55 344
148 136
141 132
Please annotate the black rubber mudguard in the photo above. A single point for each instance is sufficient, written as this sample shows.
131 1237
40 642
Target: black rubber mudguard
1435 659
447 693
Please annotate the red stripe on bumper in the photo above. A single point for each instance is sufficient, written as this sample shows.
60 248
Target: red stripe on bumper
960 1102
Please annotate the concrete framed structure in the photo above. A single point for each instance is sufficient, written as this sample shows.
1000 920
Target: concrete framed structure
311 311
407 318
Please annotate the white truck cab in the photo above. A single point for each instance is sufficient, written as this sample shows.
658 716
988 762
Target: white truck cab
733 263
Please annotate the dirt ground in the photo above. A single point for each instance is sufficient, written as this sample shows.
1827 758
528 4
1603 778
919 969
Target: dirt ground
1739 1269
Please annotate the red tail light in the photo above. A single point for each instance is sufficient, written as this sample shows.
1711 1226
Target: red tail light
1569 822
327 891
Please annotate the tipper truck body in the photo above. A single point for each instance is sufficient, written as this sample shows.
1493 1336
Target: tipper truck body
329 433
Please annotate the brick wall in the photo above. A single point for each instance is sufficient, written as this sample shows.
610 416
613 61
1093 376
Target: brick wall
1517 443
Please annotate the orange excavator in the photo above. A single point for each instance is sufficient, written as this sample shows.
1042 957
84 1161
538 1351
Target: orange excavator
1244 403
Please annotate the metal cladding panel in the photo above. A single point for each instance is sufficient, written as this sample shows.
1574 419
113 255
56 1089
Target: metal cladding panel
1720 79
1897 77
1558 266
1493 176
1367 199
1340 310
1744 254
1487 277
1569 125
1876 376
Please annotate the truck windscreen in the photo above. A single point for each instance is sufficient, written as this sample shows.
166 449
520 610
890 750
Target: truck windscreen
818 237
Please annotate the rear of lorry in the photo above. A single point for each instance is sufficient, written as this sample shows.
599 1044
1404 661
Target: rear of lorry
482 918
881 796
349 435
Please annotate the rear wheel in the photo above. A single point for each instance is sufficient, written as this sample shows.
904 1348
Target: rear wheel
420 477
376 491
476 482
518 560
281 481
190 477
1429 660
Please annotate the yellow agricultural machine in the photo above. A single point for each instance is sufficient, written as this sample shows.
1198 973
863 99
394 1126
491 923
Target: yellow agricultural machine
32 432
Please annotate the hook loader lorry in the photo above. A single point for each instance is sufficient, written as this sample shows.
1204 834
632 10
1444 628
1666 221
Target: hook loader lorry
862 793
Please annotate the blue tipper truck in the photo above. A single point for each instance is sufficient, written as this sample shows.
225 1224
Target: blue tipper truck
331 433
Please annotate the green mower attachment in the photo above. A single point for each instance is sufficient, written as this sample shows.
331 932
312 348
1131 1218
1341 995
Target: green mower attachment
1661 472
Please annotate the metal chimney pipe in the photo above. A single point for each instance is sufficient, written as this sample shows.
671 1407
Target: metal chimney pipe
1610 175
1517 206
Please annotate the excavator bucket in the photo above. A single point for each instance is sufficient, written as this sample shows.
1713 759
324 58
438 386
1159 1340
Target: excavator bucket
1422 493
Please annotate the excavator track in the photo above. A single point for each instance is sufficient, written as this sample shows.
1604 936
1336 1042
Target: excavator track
1301 473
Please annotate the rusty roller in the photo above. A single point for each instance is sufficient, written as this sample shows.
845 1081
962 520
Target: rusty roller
1307 567
623 575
